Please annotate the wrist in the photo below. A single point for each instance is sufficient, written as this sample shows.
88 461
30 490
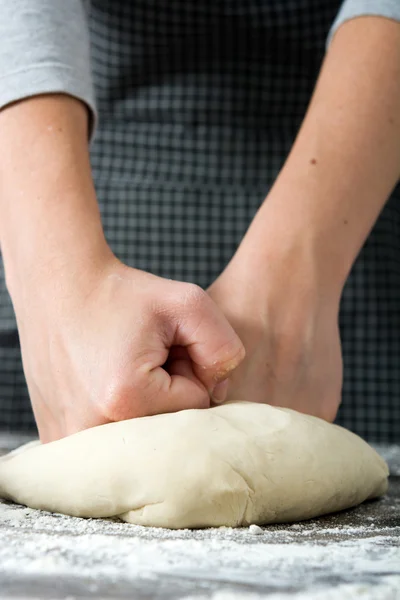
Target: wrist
51 272
284 250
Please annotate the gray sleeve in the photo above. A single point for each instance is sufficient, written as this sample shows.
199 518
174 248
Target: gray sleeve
44 48
357 8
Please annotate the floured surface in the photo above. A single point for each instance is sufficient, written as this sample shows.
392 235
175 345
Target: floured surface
232 465
354 554
57 556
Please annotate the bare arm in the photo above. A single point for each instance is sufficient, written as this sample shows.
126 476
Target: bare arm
94 333
346 159
48 206
289 272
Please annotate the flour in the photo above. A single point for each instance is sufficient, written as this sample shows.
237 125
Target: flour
388 591
391 454
364 563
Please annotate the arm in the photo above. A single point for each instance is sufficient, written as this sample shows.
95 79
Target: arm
44 49
346 159
95 334
291 267
48 207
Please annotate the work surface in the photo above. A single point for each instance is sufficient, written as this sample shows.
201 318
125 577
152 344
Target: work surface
353 554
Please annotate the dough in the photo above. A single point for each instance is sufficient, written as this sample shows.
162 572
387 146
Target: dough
232 465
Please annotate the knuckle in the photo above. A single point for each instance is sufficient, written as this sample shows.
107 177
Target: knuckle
193 296
131 397
120 401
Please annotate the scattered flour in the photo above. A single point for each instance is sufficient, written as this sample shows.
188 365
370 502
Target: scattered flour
391 453
389 590
221 564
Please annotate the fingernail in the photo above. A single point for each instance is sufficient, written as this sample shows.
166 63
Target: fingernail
220 392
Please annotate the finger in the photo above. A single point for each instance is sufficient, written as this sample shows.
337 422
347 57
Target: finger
209 339
220 393
182 365
155 391
179 390
179 363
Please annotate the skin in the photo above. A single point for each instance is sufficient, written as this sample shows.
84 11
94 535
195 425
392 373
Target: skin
307 234
95 334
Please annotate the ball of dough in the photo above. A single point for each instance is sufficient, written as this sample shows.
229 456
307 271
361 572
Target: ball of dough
234 465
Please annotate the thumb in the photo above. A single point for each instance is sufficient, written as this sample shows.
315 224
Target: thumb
210 341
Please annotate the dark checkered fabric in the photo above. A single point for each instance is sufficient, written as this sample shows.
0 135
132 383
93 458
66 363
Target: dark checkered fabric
199 103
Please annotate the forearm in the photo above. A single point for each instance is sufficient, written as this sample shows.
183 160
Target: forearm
49 218
345 161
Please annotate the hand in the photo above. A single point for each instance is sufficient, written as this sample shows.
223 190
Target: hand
281 291
290 333
100 341
94 352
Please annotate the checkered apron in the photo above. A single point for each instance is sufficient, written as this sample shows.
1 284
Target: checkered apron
199 103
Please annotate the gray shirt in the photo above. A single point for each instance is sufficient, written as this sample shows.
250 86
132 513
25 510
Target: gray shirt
44 45
44 48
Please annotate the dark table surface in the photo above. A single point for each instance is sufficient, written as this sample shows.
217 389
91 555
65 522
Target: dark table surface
348 555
